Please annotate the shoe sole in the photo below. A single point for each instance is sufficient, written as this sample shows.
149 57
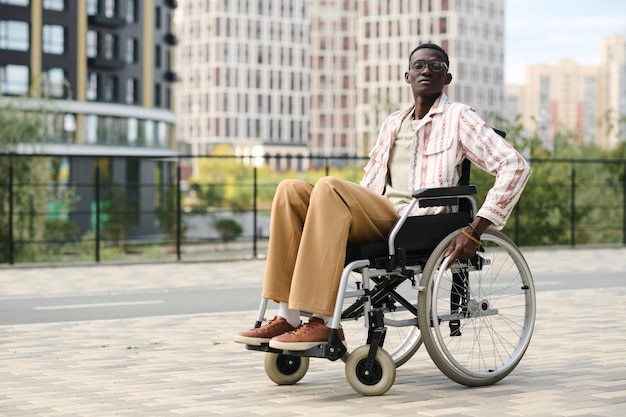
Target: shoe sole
252 341
297 346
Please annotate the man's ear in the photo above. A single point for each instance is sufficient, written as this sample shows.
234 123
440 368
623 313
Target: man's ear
448 78
406 77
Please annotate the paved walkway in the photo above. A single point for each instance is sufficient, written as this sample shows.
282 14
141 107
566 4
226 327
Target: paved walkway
188 365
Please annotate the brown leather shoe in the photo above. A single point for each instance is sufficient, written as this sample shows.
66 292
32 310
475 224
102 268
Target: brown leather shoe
275 327
305 337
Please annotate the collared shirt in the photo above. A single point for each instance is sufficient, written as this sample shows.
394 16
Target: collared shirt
449 133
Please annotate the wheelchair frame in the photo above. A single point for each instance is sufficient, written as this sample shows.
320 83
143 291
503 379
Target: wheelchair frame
451 293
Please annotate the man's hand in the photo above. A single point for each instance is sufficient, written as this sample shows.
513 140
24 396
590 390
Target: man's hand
466 243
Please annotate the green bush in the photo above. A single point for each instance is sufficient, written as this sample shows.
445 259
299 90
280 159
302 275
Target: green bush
228 229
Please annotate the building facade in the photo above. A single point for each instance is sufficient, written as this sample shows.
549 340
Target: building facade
612 90
587 101
107 68
245 69
561 98
471 31
310 77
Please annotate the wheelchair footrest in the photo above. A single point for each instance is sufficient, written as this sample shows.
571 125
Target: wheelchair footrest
332 350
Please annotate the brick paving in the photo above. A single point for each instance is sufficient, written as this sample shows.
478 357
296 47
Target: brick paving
188 365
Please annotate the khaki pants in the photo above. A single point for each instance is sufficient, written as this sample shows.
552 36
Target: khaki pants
310 228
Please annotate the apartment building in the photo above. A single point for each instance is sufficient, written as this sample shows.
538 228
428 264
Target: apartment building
561 98
245 69
310 77
471 31
106 66
612 91
587 101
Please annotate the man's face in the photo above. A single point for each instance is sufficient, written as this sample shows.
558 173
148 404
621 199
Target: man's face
423 76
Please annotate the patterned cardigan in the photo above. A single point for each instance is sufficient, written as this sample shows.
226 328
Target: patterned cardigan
449 133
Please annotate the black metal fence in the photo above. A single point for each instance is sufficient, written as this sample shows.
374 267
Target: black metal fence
111 208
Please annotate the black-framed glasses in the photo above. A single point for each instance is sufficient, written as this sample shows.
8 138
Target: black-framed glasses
434 66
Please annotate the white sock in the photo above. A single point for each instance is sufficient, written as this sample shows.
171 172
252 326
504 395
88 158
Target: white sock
327 319
291 315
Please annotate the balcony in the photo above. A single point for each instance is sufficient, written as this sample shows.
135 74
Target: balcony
172 3
107 22
170 39
171 76
106 64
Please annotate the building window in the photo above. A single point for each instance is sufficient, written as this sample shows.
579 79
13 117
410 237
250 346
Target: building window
53 39
157 95
91 128
157 18
14 35
54 83
110 89
131 91
92 86
157 56
92 7
14 79
131 11
110 46
131 50
15 2
92 44
109 8
58 5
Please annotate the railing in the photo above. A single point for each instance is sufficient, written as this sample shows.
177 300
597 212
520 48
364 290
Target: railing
85 208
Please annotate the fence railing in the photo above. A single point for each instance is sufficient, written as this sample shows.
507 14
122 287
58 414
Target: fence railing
86 208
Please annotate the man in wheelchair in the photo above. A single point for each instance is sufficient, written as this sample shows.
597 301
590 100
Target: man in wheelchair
418 147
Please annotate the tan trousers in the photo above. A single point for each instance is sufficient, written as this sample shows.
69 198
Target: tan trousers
310 228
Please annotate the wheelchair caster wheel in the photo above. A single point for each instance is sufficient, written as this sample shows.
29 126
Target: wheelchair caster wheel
285 369
378 380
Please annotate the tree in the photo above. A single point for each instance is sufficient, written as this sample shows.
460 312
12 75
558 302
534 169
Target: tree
23 125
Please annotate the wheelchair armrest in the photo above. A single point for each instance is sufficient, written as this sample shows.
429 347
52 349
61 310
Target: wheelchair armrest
445 191
446 196
432 197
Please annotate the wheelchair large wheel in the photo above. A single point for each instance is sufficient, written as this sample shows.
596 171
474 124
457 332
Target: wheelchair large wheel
376 381
403 337
285 369
477 317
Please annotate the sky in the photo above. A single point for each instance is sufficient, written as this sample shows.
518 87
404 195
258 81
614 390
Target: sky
541 32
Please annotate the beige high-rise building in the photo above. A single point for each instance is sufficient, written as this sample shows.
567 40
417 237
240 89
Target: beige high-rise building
612 91
561 98
588 101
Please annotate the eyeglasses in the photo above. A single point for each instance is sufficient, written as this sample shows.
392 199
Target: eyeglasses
434 66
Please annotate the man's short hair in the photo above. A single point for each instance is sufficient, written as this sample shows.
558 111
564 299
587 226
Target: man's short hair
431 46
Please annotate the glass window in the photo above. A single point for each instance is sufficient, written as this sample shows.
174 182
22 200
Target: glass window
58 5
14 79
15 2
131 11
149 133
14 35
131 51
92 7
132 131
53 39
91 128
131 90
54 82
110 89
92 44
92 86
110 46
109 8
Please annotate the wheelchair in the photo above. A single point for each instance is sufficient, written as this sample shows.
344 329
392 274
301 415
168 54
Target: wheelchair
475 317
